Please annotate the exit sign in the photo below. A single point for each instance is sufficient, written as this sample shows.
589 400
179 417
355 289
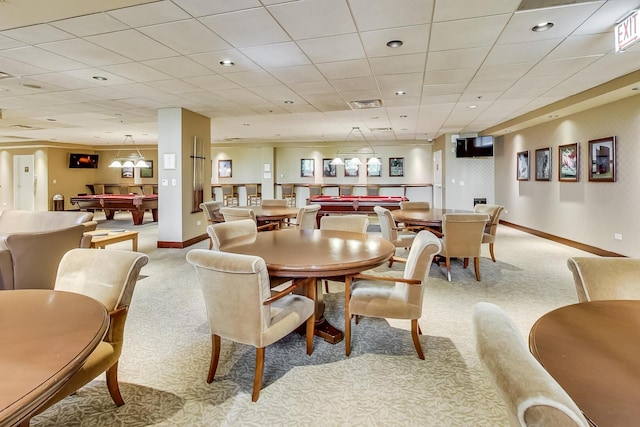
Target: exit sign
626 31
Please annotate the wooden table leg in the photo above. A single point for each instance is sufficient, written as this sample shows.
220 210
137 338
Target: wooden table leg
323 328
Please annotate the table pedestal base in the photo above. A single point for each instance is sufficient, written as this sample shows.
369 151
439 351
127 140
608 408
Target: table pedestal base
327 331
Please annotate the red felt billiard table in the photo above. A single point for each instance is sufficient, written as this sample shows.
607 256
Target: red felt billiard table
110 203
353 204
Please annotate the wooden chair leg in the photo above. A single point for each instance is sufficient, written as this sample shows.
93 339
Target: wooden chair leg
347 316
357 316
416 341
210 243
326 286
215 356
257 379
465 263
112 385
419 330
493 257
476 265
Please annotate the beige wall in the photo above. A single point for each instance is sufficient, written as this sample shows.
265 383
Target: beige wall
583 211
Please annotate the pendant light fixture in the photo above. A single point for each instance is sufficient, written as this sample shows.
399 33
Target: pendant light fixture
355 160
134 160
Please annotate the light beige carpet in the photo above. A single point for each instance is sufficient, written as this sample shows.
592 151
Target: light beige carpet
383 383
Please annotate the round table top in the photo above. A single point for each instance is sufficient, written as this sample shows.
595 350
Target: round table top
265 213
428 217
315 253
46 336
592 350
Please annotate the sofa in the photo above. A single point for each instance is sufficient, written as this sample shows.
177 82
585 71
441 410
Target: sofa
32 244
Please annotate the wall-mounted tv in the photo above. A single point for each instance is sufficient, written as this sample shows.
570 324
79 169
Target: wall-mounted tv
83 161
479 146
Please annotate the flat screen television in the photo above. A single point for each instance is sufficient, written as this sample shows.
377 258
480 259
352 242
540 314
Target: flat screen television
83 161
479 146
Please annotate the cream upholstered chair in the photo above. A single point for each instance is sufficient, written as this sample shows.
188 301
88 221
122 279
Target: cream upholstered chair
489 236
532 396
393 297
253 194
240 307
401 237
229 195
236 214
605 278
351 223
108 276
306 218
289 194
241 231
277 203
408 205
212 213
463 239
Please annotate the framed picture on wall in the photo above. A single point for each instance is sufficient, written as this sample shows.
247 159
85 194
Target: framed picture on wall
224 168
351 167
307 167
543 164
602 159
396 166
126 172
147 172
522 164
568 162
375 168
328 170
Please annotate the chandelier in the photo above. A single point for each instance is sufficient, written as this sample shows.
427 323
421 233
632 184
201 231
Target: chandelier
355 160
133 160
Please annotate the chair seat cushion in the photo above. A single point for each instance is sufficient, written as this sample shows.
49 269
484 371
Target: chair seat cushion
488 238
405 239
382 299
287 314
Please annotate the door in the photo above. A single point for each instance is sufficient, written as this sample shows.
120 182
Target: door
24 185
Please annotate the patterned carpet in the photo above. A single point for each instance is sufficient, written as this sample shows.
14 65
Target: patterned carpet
383 383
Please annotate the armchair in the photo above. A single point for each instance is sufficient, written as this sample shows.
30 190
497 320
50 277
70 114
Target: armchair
393 297
603 278
463 239
224 232
236 291
229 195
289 194
108 276
401 237
235 214
532 396
306 218
253 194
280 203
489 236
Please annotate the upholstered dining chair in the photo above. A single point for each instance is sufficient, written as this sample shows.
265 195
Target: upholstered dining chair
229 195
408 205
289 194
253 194
236 214
393 297
108 276
211 210
462 238
306 218
605 278
224 232
351 223
401 237
490 229
531 395
240 306
274 203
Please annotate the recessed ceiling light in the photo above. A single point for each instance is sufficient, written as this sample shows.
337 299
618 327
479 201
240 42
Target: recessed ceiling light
51 120
227 63
246 124
32 86
394 43
636 88
404 116
401 92
472 106
543 26
288 102
100 78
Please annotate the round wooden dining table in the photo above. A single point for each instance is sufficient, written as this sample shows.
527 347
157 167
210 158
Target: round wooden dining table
592 350
293 253
423 217
265 214
45 337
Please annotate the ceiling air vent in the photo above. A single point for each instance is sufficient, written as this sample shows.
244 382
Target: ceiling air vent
380 129
26 127
543 4
366 103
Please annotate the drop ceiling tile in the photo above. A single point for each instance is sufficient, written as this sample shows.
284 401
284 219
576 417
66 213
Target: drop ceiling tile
563 67
204 7
491 85
9 43
500 72
331 49
18 68
187 37
178 66
158 12
278 94
462 75
82 51
415 40
87 74
378 14
410 83
327 102
586 45
312 88
133 45
455 34
452 10
604 19
41 58
213 83
36 34
89 25
246 28
360 95
298 74
399 101
301 19
446 89
174 86
520 53
251 79
212 60
398 64
345 69
455 59
61 80
276 55
135 72
360 83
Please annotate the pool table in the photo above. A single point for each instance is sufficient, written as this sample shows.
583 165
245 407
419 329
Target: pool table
353 204
110 203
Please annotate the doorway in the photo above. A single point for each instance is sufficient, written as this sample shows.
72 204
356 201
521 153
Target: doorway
24 184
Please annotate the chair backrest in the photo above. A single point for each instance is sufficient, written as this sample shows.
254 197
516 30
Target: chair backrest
345 190
251 189
280 203
287 190
223 232
98 189
236 214
532 396
227 189
315 190
605 278
108 276
494 211
387 224
306 218
407 205
234 287
211 209
353 223
425 246
463 234
148 189
373 190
